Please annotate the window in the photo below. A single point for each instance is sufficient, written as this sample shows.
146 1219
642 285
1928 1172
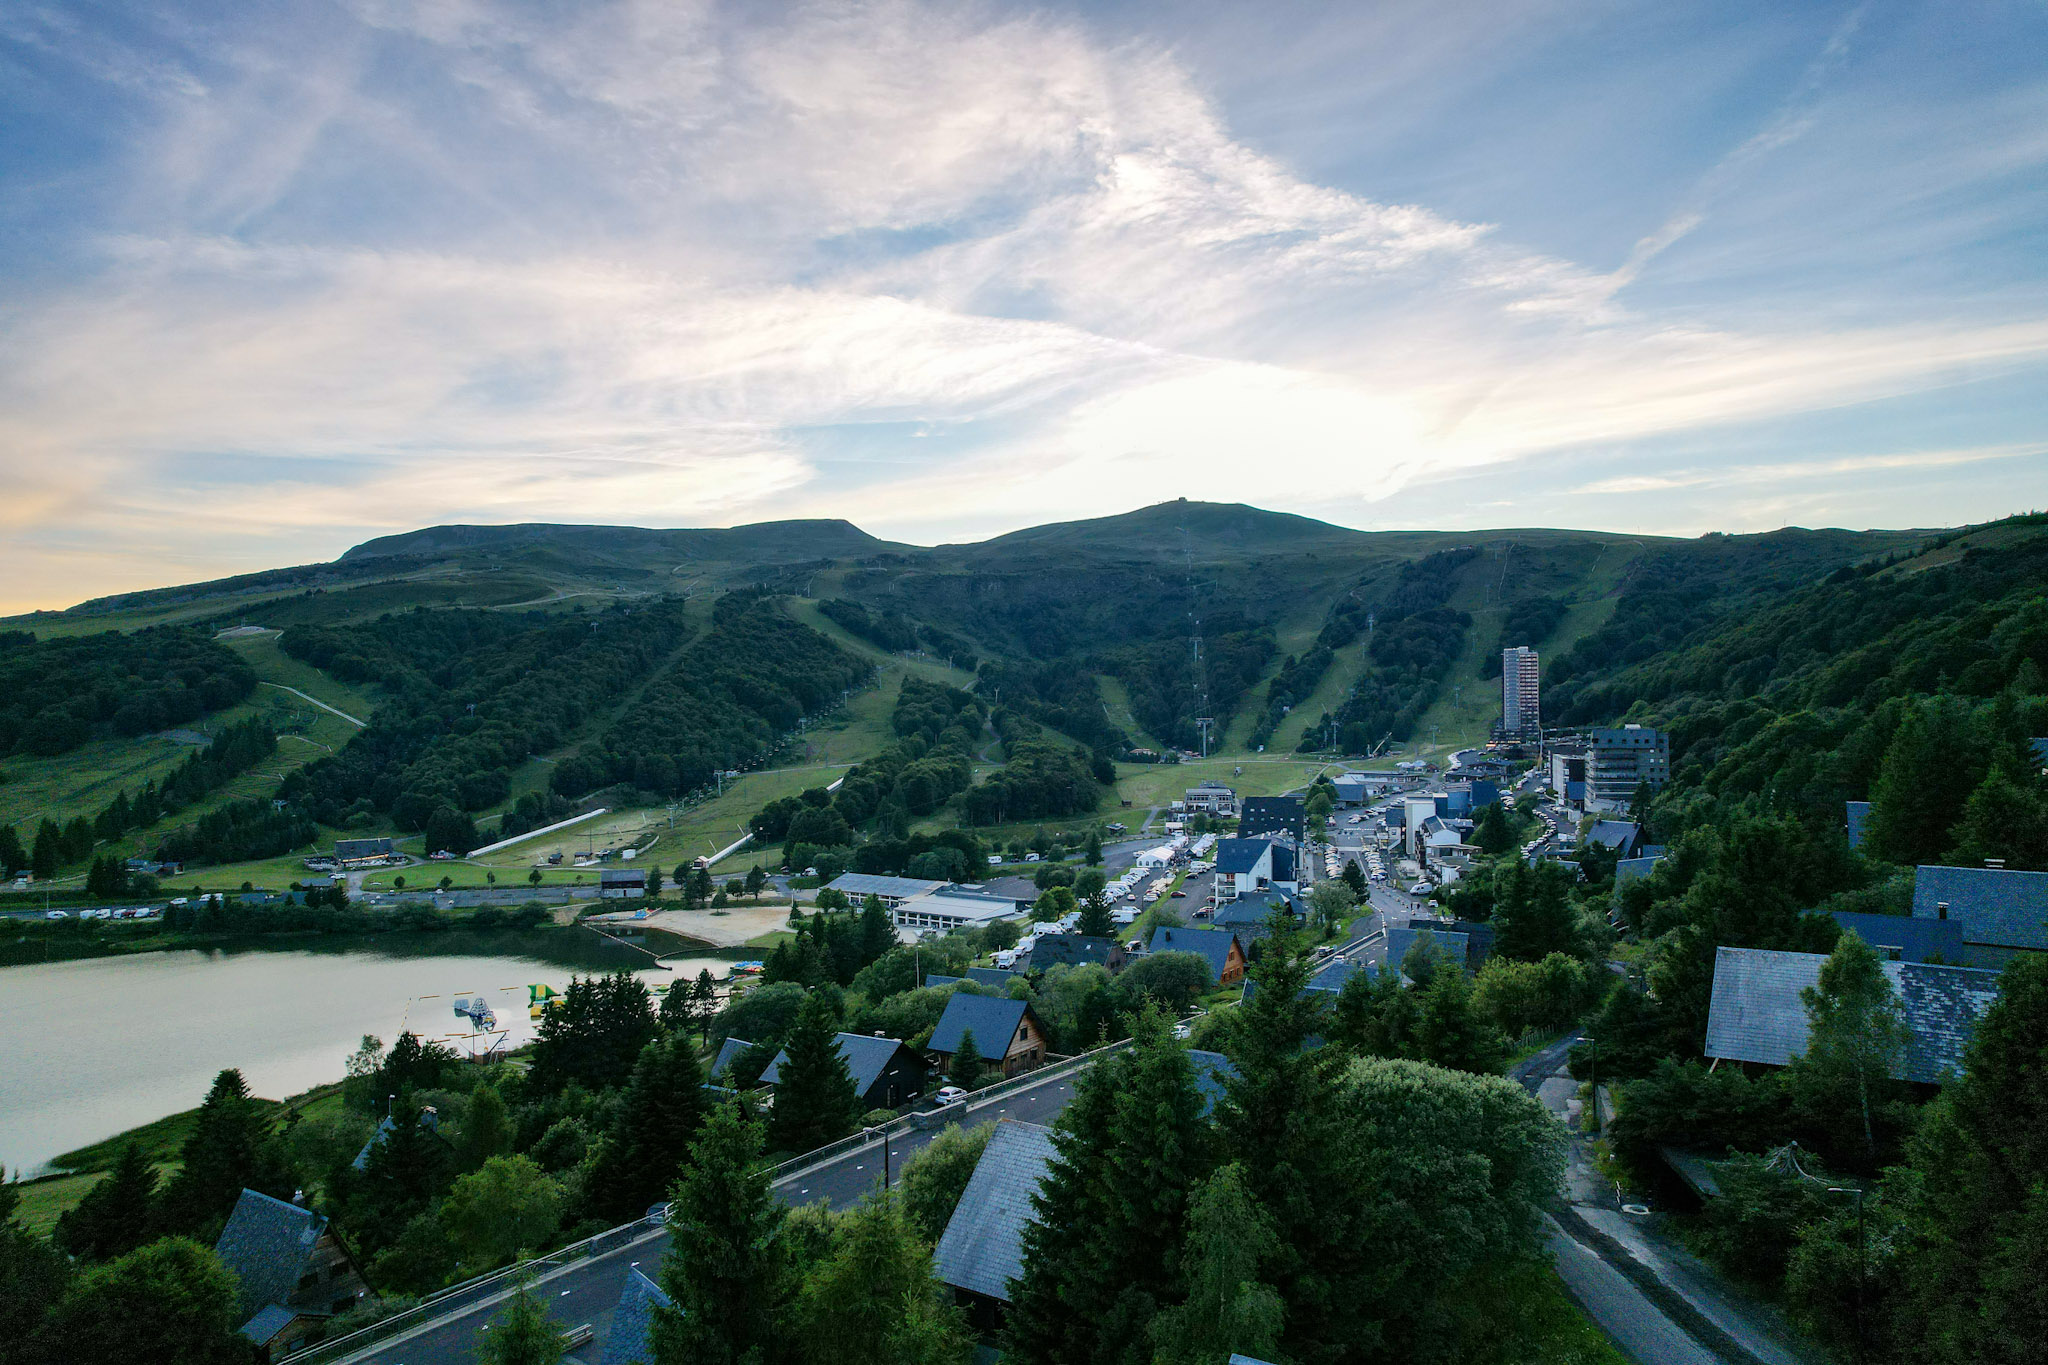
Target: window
309 1279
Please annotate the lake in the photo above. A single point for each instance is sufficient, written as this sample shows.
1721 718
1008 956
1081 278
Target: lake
91 1048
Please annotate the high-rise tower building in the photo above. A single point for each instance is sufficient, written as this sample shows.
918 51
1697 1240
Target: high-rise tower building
1521 711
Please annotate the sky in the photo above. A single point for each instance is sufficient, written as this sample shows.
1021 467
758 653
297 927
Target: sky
275 279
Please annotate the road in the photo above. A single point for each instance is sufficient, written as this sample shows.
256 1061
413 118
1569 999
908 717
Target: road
359 724
588 1291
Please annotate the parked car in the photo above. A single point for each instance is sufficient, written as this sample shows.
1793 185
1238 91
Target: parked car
57 914
1181 896
948 1094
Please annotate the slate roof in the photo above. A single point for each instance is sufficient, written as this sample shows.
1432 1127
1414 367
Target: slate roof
991 976
1453 944
265 1244
2002 908
1915 938
992 1019
728 1053
1211 945
982 1249
1757 1015
866 1057
936 980
1271 815
269 1321
1210 1070
1858 815
2040 748
628 1340
1247 913
1619 834
1052 950
1239 856
1632 869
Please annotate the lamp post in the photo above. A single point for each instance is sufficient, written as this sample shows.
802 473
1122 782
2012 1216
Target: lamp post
884 1131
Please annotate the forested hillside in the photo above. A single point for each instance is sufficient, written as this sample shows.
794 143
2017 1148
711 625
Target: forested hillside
57 694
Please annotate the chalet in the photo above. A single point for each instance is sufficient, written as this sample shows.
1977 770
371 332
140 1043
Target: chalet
1756 1014
2003 913
1244 866
981 1251
1006 1032
624 884
885 1072
291 1272
1623 836
1267 817
1052 950
1246 916
1213 798
1220 948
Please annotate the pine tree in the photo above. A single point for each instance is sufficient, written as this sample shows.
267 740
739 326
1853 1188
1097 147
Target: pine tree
1912 804
815 1101
658 1118
45 856
1450 1032
486 1128
728 1281
1091 852
654 882
33 1275
1533 914
13 857
756 880
115 1216
230 1148
1095 921
966 1068
523 1334
877 935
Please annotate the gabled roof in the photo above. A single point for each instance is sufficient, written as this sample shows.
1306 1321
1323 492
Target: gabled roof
991 976
270 1320
1858 815
1452 945
1240 856
1211 1068
937 980
629 1339
1247 913
1998 907
265 1244
1053 950
866 1057
728 1053
1629 869
982 1249
1211 945
1619 834
1757 1016
1916 939
992 1019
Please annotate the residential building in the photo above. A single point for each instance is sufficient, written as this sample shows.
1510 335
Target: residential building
891 891
1212 1070
1007 1034
1450 945
1568 764
981 1251
2002 912
1623 836
625 884
1213 798
1857 814
950 908
1633 869
1756 1014
1074 950
728 1052
1521 711
1245 866
1620 760
885 1072
629 1339
991 976
1246 915
1220 948
291 1271
1267 817
1908 938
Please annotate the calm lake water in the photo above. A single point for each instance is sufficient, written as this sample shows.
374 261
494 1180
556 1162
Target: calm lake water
90 1048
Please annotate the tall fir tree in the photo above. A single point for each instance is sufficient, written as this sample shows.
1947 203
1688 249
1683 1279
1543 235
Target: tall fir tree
658 1118
1450 1032
1912 804
877 935
33 1276
117 1215
815 1101
1095 921
965 1070
729 1280
230 1148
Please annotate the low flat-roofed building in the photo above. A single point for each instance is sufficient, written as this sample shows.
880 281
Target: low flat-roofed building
949 908
891 891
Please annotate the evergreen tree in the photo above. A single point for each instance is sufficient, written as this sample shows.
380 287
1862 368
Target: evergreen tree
1354 877
874 1301
877 935
1091 852
2006 818
486 1128
1856 1038
33 1275
815 1101
658 1118
47 853
965 1070
1533 915
1933 754
407 1168
230 1148
1493 834
115 1216
1228 1311
654 882
1450 1032
756 881
1095 920
728 1280
523 1334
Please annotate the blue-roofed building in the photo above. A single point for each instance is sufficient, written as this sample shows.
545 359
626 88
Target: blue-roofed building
1246 915
981 1251
1634 869
885 1072
994 977
728 1052
1907 938
2040 748
1006 1032
291 1272
2002 912
1756 1014
1075 950
1220 948
1857 814
1211 1070
1449 944
629 1339
1268 817
936 980
1623 836
1245 866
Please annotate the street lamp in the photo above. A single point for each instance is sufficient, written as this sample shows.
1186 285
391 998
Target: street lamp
884 1131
